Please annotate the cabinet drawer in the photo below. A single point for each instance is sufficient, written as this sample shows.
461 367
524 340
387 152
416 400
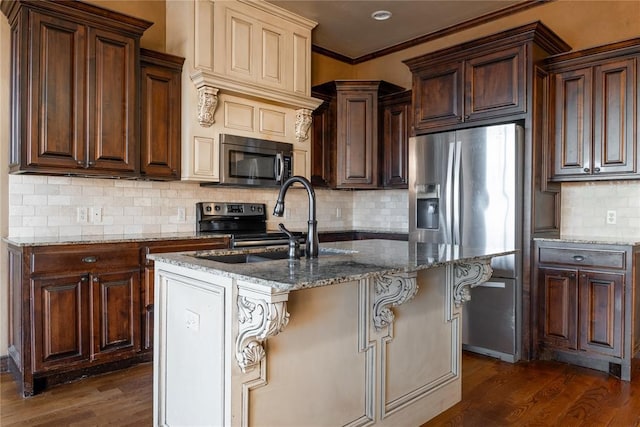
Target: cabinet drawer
88 259
181 246
583 257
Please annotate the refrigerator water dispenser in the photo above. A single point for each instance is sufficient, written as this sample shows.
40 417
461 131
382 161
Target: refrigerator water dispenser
428 206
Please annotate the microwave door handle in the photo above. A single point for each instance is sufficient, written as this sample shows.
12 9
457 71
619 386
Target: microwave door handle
279 167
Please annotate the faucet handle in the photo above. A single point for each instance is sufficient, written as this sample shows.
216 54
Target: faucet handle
294 244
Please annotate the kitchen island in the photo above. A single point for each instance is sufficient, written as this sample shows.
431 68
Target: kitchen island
367 333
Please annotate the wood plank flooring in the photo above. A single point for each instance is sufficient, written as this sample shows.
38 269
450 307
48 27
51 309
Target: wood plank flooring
495 393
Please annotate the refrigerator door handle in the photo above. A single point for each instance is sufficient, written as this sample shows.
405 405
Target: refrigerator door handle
457 189
448 197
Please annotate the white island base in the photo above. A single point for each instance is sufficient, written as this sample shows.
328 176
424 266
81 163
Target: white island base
381 350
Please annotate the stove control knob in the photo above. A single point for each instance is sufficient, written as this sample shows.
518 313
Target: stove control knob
217 208
259 209
208 208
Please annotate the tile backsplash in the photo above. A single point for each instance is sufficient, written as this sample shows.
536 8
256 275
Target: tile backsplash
585 207
48 206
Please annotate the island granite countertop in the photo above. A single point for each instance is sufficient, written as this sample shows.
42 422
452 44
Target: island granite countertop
338 262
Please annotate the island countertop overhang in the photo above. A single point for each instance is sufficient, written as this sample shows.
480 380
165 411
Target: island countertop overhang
343 262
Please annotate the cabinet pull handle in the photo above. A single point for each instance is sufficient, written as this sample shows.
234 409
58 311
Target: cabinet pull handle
89 259
596 170
587 170
578 258
467 117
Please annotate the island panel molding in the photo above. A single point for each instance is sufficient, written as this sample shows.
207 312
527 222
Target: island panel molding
434 305
467 276
391 290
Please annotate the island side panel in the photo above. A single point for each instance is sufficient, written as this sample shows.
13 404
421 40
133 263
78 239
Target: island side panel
420 353
191 347
316 370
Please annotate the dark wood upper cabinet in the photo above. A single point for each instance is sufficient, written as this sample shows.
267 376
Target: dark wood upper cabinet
595 113
395 130
160 106
346 150
74 89
480 81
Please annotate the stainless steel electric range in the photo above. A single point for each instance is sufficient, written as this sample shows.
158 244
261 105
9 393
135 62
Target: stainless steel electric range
245 222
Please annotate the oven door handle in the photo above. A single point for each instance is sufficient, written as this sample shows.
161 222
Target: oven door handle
279 167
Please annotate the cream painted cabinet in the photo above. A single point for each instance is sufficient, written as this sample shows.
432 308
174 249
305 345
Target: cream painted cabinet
247 72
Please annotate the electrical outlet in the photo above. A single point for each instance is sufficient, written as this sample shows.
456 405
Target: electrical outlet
338 213
81 216
192 320
611 217
182 215
96 215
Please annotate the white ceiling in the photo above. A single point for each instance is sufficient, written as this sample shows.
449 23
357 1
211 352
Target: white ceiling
346 27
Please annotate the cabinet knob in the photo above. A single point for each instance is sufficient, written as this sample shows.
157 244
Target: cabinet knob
459 118
578 258
91 164
596 170
84 279
90 259
587 170
80 163
96 280
572 275
467 117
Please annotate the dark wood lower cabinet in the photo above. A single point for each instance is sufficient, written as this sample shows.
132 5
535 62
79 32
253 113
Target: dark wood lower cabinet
588 304
80 309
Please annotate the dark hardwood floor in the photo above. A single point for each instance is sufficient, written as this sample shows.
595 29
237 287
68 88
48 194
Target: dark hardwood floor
540 393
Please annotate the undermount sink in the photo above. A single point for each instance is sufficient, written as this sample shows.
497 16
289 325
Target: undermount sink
270 255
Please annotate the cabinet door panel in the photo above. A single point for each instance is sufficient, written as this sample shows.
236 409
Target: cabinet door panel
438 96
601 313
160 122
112 124
56 137
61 321
495 84
558 316
116 305
613 130
573 123
397 119
357 139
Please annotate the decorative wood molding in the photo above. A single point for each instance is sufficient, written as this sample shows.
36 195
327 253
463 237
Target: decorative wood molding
304 119
390 291
207 103
258 318
467 276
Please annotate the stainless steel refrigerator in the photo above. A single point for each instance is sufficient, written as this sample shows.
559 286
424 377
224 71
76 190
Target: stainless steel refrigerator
465 187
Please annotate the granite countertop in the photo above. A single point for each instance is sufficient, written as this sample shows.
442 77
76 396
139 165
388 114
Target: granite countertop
338 262
109 238
139 237
606 240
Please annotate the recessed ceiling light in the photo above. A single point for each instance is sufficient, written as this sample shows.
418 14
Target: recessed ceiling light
381 15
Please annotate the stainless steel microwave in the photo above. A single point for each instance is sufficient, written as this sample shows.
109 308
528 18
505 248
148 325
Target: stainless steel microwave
254 162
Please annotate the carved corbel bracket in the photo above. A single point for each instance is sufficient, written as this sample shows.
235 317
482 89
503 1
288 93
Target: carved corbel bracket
304 119
207 103
391 290
260 316
468 275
